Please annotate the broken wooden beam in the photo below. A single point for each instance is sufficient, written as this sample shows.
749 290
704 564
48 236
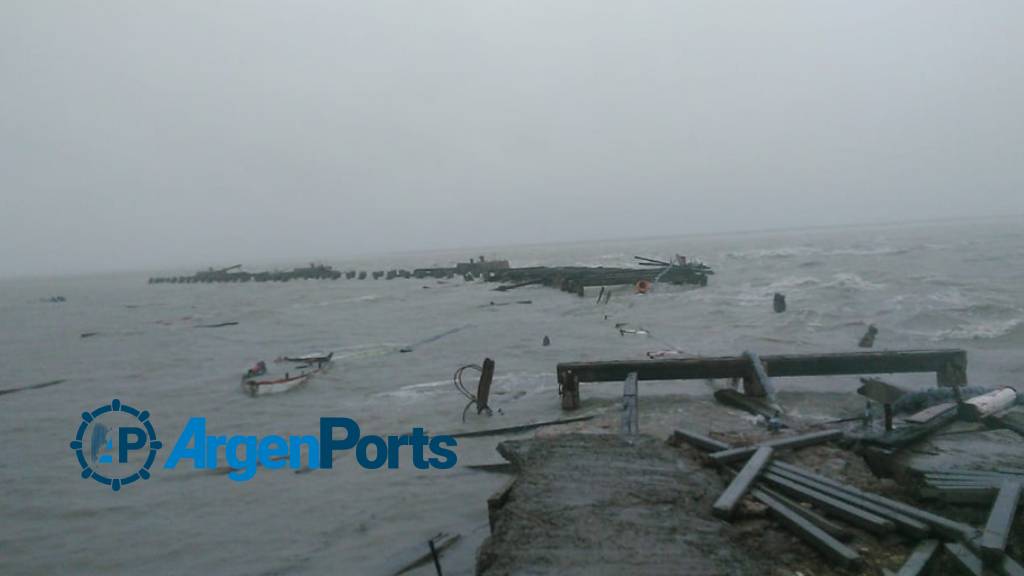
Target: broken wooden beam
1000 521
834 507
835 530
842 363
942 525
754 405
928 414
920 558
965 558
813 535
727 502
788 442
697 440
906 524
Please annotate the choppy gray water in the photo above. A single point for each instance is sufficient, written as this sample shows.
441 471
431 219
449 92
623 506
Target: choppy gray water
937 285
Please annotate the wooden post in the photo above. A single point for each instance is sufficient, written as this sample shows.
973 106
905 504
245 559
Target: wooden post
630 411
757 382
888 417
570 391
483 388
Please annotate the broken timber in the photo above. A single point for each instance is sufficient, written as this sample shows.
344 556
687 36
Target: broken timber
727 502
919 558
738 454
827 545
949 366
1000 521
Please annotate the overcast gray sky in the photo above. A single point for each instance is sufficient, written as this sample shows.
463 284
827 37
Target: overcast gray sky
160 134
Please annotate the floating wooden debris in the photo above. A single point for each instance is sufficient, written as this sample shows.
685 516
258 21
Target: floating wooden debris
521 428
33 386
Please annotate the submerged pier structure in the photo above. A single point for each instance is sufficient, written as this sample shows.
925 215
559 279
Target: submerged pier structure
568 278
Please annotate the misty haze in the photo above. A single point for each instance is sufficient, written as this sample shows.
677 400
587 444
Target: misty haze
498 287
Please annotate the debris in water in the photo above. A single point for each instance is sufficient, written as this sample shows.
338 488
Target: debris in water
33 386
546 341
779 303
868 340
217 325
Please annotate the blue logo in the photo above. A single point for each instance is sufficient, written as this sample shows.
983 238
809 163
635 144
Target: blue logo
116 445
127 461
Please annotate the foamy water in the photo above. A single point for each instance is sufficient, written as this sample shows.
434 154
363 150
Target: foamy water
923 286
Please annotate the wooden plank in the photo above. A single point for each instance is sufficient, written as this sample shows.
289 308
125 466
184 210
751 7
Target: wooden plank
832 506
844 363
630 412
1009 567
906 524
1000 521
980 495
701 442
965 558
942 525
834 530
928 414
569 389
727 502
919 558
788 442
816 537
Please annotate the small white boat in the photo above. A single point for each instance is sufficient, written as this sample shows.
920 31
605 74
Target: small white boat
254 387
256 382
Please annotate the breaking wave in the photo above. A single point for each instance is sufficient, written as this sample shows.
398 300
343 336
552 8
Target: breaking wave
797 251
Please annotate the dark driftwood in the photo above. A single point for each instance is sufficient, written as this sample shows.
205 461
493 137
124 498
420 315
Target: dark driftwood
33 386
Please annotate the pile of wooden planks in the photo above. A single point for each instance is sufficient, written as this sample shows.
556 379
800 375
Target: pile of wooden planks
781 487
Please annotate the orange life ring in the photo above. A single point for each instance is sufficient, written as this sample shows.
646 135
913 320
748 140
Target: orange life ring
642 287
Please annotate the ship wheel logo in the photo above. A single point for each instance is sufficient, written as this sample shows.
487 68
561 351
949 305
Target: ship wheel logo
115 445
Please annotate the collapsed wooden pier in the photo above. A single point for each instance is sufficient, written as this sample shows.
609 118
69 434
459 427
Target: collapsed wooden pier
949 366
568 278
